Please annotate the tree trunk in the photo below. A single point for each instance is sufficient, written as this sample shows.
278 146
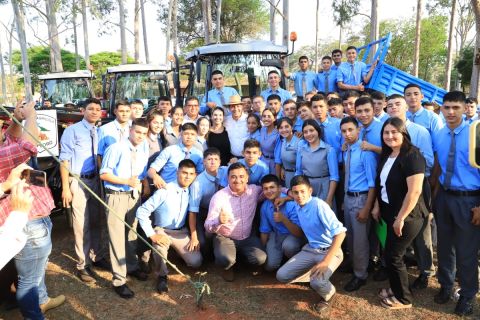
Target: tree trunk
416 54
340 37
207 20
85 32
55 51
75 36
144 28
475 80
169 28
174 23
448 67
286 30
123 40
374 27
272 24
4 78
317 26
219 15
22 39
10 62
136 31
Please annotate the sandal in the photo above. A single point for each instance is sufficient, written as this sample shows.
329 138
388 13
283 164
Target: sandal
385 293
392 303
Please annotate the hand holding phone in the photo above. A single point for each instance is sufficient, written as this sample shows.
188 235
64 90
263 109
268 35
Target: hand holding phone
35 177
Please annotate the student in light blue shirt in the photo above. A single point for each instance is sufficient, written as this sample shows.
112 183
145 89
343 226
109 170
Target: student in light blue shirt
257 169
304 79
274 87
290 112
202 190
326 81
117 130
330 126
218 96
167 161
286 152
123 171
470 110
379 105
370 133
168 206
457 212
323 253
280 232
354 75
418 114
360 173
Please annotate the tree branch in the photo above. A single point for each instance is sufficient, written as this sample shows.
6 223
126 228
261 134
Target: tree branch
276 9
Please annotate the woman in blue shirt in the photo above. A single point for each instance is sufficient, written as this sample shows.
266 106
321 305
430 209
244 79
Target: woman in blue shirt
318 162
172 132
253 126
269 138
286 151
156 136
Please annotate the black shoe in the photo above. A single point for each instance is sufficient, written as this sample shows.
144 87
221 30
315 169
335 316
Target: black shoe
140 275
421 282
381 274
162 285
145 267
346 268
464 306
443 296
102 264
354 284
86 275
124 291
322 305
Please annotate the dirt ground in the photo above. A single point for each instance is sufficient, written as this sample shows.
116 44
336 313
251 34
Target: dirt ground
248 297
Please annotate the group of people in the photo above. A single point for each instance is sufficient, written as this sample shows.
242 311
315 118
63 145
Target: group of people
280 184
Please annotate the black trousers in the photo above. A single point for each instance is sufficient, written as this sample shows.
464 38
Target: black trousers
395 248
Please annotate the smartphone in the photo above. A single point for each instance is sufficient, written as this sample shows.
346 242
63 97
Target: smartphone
34 177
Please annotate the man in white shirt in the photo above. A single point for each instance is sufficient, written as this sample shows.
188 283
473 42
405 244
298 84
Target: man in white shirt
236 125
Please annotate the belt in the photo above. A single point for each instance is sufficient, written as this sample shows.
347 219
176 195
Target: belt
459 193
86 176
110 191
323 249
356 194
325 176
268 157
289 170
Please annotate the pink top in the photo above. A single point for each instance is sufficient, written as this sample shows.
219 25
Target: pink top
241 209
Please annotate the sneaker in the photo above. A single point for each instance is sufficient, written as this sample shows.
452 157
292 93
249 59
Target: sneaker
52 303
322 305
464 307
86 275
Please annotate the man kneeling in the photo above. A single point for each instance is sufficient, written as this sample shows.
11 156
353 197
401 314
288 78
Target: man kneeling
169 207
279 227
323 254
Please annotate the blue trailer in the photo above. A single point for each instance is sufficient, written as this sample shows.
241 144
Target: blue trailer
390 80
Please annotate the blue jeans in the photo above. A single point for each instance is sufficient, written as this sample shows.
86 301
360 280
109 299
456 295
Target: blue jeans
31 263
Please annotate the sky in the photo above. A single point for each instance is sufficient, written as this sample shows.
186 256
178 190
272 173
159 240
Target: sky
302 20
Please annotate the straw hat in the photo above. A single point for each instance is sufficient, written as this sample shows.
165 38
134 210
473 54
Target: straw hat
234 100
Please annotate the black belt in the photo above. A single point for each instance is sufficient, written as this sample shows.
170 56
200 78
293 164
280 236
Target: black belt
269 157
459 193
325 176
323 249
86 176
110 191
356 194
289 170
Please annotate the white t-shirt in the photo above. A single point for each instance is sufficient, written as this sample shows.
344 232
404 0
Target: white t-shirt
12 236
383 178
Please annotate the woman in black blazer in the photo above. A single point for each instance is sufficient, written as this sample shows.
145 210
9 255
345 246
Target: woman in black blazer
400 201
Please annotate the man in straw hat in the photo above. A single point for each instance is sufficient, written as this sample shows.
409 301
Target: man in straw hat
236 125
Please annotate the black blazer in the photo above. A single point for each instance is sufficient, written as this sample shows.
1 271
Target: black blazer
405 165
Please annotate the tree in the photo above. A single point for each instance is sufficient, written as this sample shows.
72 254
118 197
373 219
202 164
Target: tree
85 32
464 66
144 29
418 30
39 61
4 78
75 37
475 79
136 30
207 19
20 21
240 19
448 67
123 40
343 12
55 55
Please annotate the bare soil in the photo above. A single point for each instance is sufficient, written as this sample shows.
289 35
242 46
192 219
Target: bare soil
248 297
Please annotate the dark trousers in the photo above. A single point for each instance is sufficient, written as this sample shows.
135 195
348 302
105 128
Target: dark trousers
458 242
225 251
395 248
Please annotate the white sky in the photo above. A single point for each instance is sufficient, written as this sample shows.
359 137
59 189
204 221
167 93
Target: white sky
302 20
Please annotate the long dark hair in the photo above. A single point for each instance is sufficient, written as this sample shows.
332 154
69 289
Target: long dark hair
315 125
152 114
406 146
